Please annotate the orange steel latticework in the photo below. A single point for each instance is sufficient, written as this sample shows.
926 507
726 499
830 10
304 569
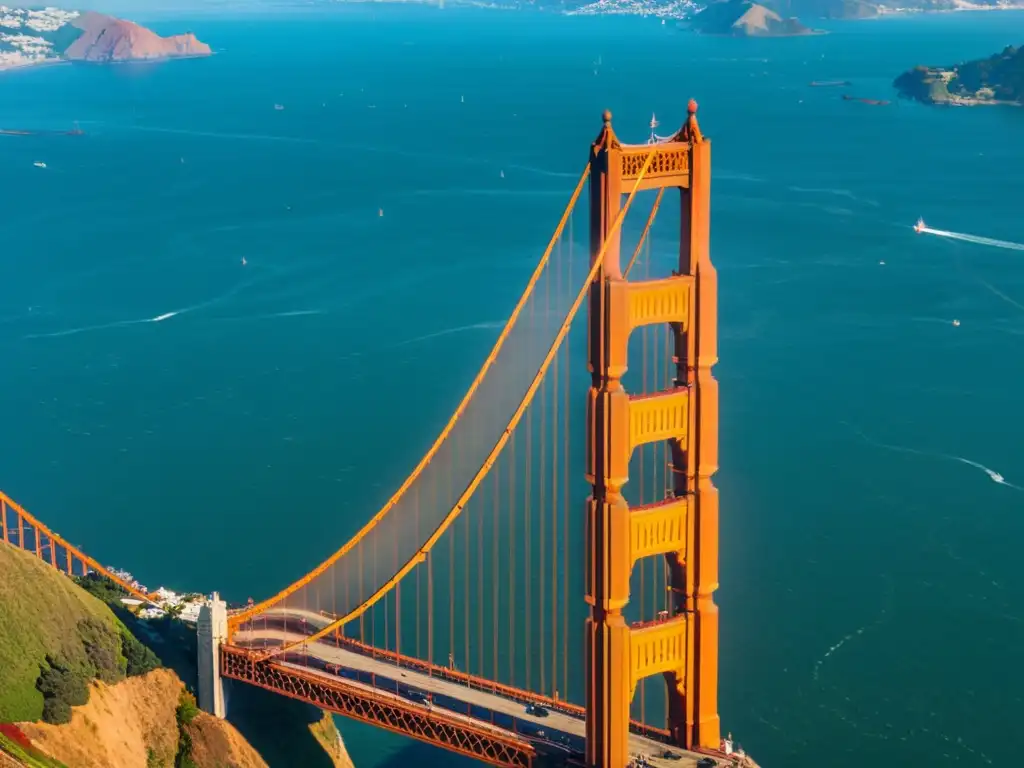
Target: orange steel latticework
20 529
684 526
493 745
352 613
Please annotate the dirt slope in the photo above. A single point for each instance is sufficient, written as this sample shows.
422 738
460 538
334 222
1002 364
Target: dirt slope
128 724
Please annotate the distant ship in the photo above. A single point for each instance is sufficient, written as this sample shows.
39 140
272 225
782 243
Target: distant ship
39 165
920 226
279 107
76 131
871 102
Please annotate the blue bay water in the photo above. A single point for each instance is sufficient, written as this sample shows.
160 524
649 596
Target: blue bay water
870 599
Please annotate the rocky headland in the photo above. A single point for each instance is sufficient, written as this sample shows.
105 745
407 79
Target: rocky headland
999 79
33 37
743 18
105 38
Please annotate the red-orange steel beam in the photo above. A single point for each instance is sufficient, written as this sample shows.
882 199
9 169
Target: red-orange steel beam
433 726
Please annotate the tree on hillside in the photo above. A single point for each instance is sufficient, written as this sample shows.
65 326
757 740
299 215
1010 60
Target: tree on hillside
62 689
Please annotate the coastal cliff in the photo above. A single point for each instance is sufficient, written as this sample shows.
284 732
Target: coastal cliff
79 690
742 18
105 38
998 79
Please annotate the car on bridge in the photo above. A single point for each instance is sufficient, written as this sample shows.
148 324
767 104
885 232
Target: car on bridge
417 696
536 710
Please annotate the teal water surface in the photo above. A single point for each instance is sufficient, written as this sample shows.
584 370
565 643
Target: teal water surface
870 599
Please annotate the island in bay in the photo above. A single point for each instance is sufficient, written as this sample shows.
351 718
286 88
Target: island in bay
50 35
999 79
743 18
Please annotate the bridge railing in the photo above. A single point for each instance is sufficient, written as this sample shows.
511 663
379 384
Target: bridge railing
13 521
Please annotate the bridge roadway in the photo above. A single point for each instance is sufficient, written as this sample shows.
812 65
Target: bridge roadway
483 708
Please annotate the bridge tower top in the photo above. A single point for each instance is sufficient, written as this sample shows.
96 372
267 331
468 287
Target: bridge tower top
689 132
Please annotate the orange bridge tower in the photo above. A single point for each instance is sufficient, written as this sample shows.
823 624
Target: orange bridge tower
683 528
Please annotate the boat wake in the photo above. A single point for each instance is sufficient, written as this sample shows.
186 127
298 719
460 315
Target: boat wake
921 229
104 326
994 476
846 638
449 331
227 295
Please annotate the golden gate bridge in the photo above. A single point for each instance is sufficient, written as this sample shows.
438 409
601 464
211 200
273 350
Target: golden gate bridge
454 615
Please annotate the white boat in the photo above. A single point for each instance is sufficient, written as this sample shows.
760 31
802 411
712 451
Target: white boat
39 165
920 226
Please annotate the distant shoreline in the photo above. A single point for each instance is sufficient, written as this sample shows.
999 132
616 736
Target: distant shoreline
888 13
84 62
32 65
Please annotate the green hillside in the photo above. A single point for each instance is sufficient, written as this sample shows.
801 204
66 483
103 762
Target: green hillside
55 638
996 79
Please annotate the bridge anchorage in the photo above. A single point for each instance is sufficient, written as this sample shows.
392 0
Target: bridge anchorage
339 637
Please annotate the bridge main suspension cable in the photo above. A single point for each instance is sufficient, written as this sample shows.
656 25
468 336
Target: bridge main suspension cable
237 619
420 554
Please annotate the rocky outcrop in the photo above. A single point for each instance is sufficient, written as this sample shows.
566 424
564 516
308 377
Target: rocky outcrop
105 38
998 79
742 18
326 732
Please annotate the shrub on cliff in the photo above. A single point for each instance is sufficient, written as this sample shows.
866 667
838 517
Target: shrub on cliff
63 687
102 645
185 714
101 587
140 659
